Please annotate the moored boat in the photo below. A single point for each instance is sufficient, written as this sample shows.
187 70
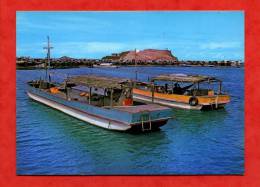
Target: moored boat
182 91
102 101
105 65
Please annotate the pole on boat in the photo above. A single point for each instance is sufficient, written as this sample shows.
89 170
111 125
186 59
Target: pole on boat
66 89
135 66
48 64
111 97
89 97
152 92
220 87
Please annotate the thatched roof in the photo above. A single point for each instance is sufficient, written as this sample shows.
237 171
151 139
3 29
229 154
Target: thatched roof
99 81
184 78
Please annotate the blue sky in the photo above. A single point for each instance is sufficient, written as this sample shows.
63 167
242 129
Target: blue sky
190 35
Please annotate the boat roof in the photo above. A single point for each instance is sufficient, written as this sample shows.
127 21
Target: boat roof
99 81
184 78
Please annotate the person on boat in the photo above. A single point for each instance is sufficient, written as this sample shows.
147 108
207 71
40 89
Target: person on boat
160 89
177 89
166 88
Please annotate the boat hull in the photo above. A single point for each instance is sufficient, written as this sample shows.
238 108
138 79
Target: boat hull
180 101
141 98
96 120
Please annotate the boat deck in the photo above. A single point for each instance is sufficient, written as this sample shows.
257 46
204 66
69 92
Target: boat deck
141 108
130 109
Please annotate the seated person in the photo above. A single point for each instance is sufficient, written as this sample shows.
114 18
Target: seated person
185 90
166 87
161 89
177 89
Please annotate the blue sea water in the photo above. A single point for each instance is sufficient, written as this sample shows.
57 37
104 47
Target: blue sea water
49 142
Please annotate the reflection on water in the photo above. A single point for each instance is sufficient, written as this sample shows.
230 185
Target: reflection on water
197 119
193 142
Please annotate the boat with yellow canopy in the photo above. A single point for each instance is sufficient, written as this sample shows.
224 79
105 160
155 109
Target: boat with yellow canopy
182 91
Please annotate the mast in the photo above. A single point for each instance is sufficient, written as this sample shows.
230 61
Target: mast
135 65
48 64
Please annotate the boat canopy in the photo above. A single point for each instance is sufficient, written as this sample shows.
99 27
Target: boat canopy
99 81
184 78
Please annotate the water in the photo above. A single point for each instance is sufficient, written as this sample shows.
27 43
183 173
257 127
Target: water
49 142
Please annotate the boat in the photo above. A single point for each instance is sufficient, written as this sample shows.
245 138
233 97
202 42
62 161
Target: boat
106 102
102 101
194 92
105 65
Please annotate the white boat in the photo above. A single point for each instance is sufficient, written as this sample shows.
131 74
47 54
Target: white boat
105 65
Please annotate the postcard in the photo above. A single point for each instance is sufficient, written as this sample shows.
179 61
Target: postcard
130 92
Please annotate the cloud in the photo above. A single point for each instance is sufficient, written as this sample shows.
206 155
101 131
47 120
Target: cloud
220 45
98 49
53 21
101 48
104 46
74 49
86 48
92 49
29 49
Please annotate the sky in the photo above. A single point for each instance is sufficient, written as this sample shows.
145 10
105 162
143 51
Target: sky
190 35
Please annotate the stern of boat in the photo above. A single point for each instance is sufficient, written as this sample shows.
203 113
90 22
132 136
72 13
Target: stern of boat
212 103
148 125
149 117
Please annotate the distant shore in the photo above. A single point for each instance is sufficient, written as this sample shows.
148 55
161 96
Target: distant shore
118 66
27 63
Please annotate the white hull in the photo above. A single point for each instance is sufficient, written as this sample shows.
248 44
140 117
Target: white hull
101 122
105 66
166 103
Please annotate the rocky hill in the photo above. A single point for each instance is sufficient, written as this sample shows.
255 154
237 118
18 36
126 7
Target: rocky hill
144 56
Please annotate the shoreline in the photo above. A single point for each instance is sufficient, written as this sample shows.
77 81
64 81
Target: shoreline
118 66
